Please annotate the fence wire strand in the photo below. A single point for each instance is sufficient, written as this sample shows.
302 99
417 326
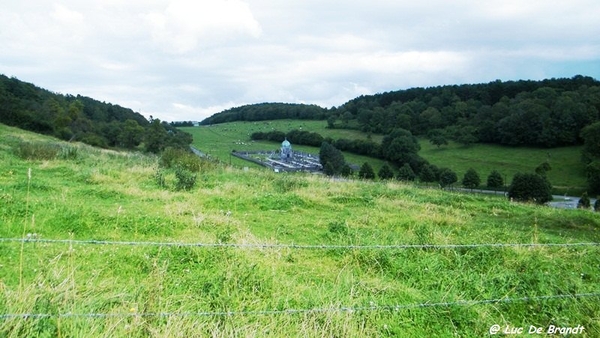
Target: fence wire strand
292 246
357 309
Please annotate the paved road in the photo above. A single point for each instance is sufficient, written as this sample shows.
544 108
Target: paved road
560 201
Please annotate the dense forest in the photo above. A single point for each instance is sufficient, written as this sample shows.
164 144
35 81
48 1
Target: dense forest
79 118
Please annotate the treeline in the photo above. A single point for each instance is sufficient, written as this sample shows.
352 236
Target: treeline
306 138
546 113
268 111
83 119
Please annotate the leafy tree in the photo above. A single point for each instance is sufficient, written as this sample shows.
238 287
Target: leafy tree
591 142
427 174
131 134
331 159
530 187
155 138
437 138
471 179
584 201
399 146
331 122
447 177
405 173
593 176
543 168
385 173
366 171
495 180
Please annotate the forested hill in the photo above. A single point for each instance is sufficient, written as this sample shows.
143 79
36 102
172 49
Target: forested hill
546 113
267 111
80 118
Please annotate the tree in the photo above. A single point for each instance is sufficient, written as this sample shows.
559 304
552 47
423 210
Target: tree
530 187
447 177
331 159
366 171
399 146
543 168
495 180
584 201
346 170
385 173
427 175
471 179
331 122
155 137
131 134
406 173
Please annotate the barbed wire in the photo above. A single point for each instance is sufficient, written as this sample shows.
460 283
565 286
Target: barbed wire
293 246
357 309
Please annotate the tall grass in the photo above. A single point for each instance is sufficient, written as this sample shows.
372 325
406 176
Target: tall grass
153 290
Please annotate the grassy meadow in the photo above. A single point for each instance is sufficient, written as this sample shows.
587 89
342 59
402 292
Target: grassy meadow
567 174
329 278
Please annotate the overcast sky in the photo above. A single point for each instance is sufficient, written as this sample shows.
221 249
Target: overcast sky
186 60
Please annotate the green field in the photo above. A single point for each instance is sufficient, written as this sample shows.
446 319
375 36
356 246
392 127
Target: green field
220 139
567 174
273 255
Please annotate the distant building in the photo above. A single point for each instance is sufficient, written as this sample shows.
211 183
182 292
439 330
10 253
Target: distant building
286 153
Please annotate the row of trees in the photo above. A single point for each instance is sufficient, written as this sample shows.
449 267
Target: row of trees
268 111
79 118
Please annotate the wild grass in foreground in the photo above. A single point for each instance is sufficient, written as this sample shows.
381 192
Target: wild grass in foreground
321 283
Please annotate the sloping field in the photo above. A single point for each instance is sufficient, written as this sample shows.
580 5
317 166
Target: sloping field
567 174
92 245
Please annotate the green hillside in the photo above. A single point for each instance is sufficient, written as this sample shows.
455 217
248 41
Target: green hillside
567 174
93 243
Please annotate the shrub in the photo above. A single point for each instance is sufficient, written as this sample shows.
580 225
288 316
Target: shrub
584 202
530 187
185 179
37 150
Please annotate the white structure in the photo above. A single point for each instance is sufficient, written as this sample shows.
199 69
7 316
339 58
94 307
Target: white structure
286 151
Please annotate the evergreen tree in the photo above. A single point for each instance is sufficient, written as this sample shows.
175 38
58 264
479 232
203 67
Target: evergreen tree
584 201
332 157
447 177
366 171
495 180
530 187
427 174
385 173
471 179
406 173
346 170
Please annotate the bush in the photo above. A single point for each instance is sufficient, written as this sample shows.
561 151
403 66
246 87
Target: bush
186 180
530 187
584 202
37 151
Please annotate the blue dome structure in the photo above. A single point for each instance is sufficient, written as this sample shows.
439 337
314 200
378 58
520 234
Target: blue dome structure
286 150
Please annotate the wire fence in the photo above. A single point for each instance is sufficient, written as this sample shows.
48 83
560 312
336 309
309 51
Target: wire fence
357 309
295 246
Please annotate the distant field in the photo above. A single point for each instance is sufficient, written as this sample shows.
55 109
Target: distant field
567 173
219 140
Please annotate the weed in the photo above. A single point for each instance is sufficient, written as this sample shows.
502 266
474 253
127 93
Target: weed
37 150
186 179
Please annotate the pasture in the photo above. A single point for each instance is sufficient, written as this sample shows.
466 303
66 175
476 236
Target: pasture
91 245
567 174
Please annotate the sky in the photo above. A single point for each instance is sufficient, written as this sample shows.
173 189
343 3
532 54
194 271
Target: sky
181 60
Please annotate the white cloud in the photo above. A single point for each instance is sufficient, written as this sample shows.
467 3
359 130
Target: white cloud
185 24
207 55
